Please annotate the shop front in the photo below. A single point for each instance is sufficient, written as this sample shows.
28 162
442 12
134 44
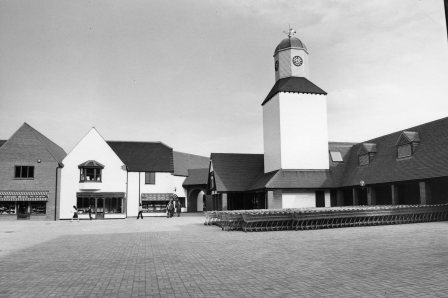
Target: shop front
23 204
154 204
103 205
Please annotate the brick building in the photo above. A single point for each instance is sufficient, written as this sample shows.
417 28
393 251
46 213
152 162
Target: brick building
30 166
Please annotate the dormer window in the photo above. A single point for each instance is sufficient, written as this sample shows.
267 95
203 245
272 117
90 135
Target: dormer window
90 171
336 156
366 153
407 144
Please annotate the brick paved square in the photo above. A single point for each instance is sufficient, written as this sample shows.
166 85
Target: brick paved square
180 257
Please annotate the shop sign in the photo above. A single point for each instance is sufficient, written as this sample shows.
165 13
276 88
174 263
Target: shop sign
23 195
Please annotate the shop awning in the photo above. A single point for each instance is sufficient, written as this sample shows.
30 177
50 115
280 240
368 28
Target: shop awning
100 194
23 195
157 196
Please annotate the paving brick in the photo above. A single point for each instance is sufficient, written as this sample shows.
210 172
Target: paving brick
160 257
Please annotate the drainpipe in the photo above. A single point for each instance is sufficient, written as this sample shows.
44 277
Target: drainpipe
56 194
127 192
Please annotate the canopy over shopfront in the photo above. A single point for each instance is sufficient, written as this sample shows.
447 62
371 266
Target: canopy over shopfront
158 196
23 195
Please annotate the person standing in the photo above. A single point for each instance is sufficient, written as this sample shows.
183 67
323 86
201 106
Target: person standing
140 211
178 207
75 213
169 209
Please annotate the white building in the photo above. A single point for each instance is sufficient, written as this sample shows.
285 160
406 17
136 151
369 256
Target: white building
114 177
93 175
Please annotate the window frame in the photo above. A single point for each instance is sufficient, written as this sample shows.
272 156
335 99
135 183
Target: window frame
370 156
20 176
150 178
83 174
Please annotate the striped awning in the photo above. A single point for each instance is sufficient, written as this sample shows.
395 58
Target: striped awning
157 196
100 194
23 195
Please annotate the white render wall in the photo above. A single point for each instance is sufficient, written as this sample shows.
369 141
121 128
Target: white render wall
299 199
271 135
295 132
91 147
303 131
165 183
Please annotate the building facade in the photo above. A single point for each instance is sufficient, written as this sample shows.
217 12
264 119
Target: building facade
301 169
30 167
93 177
113 178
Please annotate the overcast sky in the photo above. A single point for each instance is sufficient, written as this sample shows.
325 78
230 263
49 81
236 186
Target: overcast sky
193 74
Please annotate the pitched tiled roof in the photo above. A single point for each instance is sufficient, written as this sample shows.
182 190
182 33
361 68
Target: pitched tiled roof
144 156
57 152
295 85
243 172
184 161
196 177
236 172
301 179
429 160
91 164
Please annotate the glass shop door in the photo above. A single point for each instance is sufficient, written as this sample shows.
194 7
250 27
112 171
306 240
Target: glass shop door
99 208
23 210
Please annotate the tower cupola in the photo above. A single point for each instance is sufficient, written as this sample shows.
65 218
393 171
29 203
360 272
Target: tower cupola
291 58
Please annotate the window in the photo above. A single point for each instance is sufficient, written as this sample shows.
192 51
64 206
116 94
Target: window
7 208
90 174
90 171
24 172
114 205
38 207
366 153
336 156
407 143
83 204
404 151
150 178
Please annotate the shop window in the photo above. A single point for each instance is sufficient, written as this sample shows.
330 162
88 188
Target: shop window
154 206
150 178
90 171
114 205
83 205
7 208
38 207
24 172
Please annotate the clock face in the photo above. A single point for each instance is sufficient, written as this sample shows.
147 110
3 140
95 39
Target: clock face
297 60
276 65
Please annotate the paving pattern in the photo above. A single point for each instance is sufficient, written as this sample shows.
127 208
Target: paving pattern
180 257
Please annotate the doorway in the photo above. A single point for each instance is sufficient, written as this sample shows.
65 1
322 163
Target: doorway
23 210
99 208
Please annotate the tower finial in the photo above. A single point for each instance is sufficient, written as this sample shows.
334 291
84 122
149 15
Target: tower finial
290 32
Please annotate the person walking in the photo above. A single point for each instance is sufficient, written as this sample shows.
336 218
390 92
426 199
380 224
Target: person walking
90 212
75 213
140 211
169 209
178 207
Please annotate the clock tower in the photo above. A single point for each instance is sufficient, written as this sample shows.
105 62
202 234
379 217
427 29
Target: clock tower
291 58
295 129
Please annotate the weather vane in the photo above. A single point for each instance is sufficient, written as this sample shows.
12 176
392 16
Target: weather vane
290 32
